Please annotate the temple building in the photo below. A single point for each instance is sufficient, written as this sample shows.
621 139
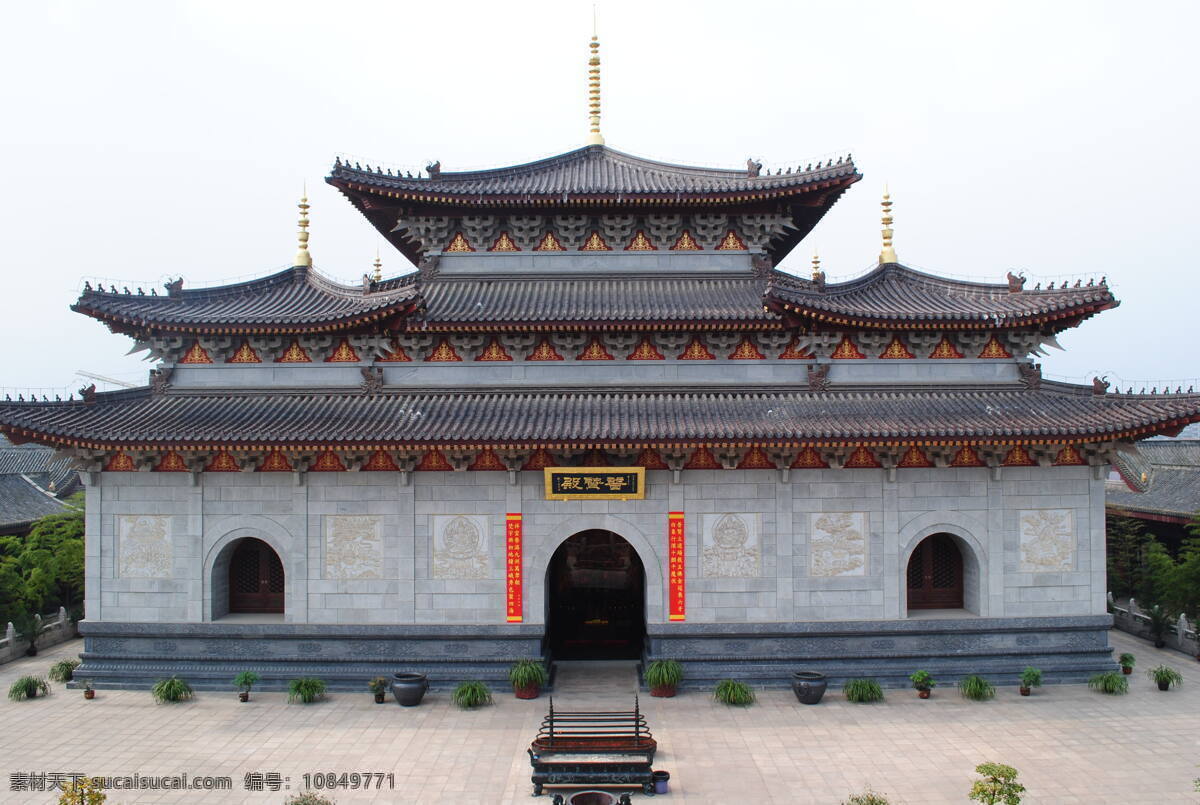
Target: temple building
596 421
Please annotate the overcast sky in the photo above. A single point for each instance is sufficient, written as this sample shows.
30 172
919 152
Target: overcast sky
157 139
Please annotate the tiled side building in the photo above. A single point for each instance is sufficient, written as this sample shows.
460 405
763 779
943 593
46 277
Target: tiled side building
861 478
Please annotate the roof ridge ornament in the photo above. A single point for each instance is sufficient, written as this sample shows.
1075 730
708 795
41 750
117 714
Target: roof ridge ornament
888 255
594 136
303 258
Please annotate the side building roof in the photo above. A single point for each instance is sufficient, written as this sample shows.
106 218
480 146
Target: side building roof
1162 480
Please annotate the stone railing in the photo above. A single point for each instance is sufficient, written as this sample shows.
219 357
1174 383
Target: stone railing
1129 617
52 630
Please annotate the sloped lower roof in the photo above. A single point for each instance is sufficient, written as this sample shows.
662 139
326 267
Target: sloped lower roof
1053 412
895 296
295 300
32 482
1171 487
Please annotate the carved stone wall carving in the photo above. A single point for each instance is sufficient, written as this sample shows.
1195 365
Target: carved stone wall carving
145 549
837 544
730 546
460 546
353 546
1047 540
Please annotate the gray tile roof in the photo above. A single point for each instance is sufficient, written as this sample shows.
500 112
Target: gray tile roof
594 299
28 472
293 300
1172 486
895 295
1055 411
593 171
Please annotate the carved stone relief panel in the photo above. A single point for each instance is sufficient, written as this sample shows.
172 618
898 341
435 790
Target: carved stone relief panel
1047 540
460 546
353 546
838 544
730 546
145 549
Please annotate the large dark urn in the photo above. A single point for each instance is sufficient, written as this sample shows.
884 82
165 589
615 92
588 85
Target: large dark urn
809 686
409 689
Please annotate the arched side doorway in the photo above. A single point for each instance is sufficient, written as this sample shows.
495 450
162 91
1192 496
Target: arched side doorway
595 598
256 579
935 574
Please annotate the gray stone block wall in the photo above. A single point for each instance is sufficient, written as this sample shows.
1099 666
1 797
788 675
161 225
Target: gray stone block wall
206 517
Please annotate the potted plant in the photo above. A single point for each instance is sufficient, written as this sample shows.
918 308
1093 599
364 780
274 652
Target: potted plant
62 671
862 691
1126 661
1109 682
171 690
923 682
734 693
1030 678
527 678
28 628
28 687
89 692
1159 621
378 686
976 688
1165 676
243 682
662 677
306 690
471 694
999 785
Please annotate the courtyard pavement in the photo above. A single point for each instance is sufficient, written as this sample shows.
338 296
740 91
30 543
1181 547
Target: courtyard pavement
1070 745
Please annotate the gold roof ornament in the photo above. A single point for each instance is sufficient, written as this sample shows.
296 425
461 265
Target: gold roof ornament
377 275
303 258
816 265
594 136
888 255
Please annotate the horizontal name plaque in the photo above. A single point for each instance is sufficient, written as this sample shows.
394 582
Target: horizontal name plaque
595 483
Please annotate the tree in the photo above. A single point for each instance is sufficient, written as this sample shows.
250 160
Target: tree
45 570
999 785
1127 539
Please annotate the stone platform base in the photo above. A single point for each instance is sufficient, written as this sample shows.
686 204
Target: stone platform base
209 655
1067 649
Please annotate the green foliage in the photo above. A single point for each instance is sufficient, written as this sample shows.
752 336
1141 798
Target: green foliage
171 690
306 690
1112 682
1031 677
999 785
1160 619
1164 673
1139 565
246 680
44 570
379 684
1126 660
526 673
732 692
922 680
862 691
868 797
63 670
309 798
976 688
28 687
471 694
663 673
1127 540
84 791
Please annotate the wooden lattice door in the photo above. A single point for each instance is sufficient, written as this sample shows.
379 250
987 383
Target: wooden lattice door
255 578
935 574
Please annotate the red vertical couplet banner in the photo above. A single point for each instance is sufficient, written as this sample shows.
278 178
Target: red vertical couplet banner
513 581
678 585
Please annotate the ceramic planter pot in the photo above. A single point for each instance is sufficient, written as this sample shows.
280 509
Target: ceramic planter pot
1164 685
244 696
923 693
379 698
809 686
1024 691
409 689
527 692
89 694
663 691
1127 669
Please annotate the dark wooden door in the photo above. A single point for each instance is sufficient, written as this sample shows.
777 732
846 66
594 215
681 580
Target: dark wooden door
935 574
255 578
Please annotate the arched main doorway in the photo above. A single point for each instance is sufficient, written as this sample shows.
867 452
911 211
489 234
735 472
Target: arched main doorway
935 574
256 580
595 598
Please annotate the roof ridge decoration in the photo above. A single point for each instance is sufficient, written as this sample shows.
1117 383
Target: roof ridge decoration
594 135
888 255
303 258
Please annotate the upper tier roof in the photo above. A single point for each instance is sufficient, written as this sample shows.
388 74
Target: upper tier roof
297 417
291 301
896 297
591 172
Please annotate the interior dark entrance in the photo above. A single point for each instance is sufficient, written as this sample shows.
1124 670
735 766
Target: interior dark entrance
255 578
595 599
935 574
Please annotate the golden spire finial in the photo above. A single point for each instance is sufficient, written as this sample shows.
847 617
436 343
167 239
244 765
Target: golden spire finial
303 258
816 265
594 136
888 255
377 276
